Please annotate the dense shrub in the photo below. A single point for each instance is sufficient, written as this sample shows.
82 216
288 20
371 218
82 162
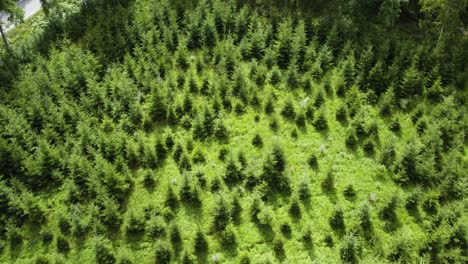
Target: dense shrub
103 252
221 215
200 244
337 220
233 174
163 252
288 110
320 122
257 140
295 209
63 246
155 227
387 212
328 184
349 249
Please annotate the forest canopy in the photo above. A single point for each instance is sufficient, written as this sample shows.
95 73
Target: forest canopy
157 131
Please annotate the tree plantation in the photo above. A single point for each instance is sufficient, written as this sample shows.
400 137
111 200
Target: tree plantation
158 131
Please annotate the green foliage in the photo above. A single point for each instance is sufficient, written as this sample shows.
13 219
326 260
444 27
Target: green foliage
229 105
221 215
103 252
411 84
63 246
328 184
163 252
257 141
348 249
337 220
200 244
273 170
387 212
233 173
320 122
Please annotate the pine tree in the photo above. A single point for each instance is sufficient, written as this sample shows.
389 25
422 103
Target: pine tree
284 45
233 174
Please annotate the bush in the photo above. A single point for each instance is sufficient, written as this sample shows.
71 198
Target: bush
103 252
349 192
365 218
320 123
148 178
328 184
64 225
295 209
257 141
161 151
223 152
228 237
301 120
306 237
244 259
342 114
351 139
337 220
134 223
329 240
395 126
348 249
187 258
387 212
47 236
155 227
41 259
269 107
200 243
369 147
163 253
319 99
175 236
220 130
221 215
288 110
62 245
286 230
233 174
411 84
412 201
198 157
278 247
312 161
304 190
274 124
171 199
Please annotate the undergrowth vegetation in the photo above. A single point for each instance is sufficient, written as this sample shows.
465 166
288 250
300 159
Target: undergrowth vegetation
162 132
